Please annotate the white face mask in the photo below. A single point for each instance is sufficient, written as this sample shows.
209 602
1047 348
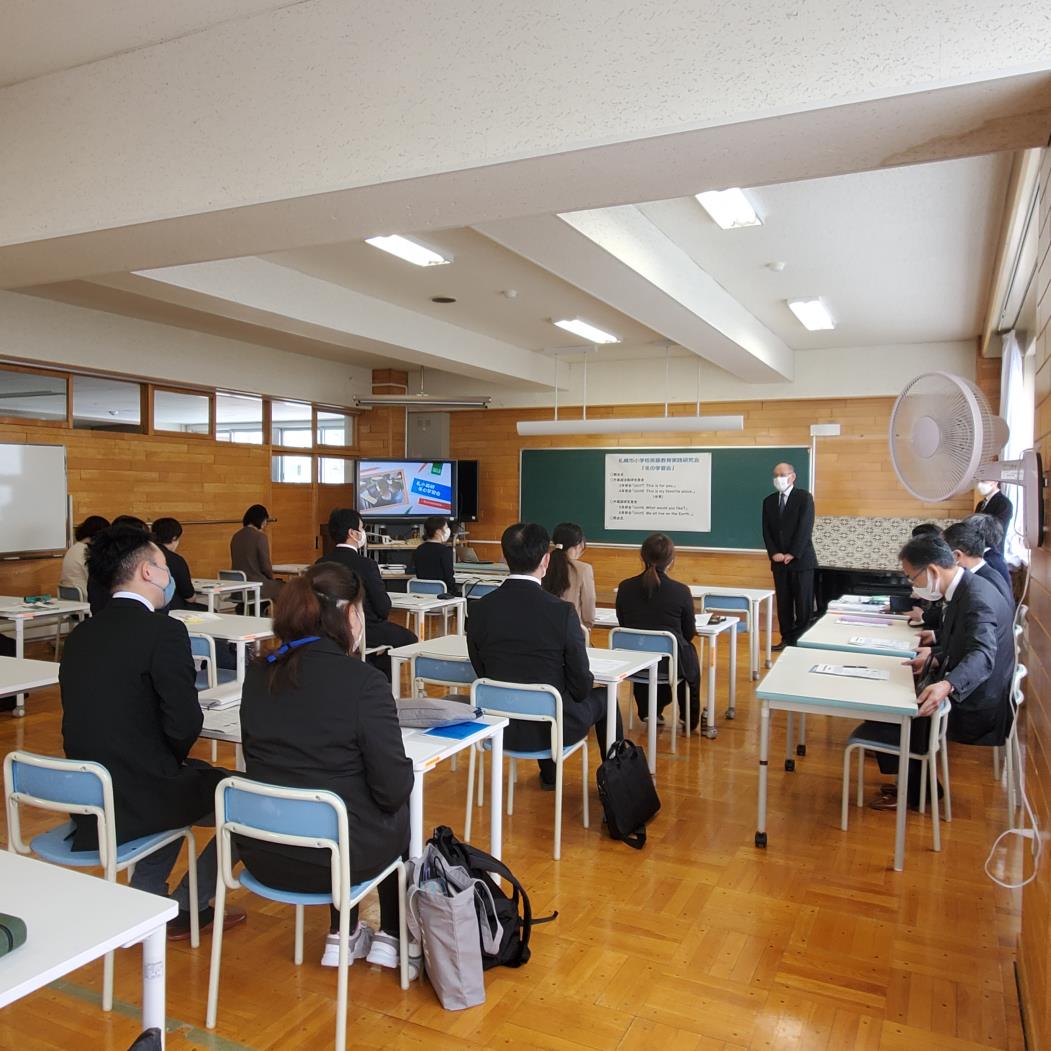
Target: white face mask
986 488
931 594
445 534
781 483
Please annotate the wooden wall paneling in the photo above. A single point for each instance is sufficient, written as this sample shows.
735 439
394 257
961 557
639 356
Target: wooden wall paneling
1033 949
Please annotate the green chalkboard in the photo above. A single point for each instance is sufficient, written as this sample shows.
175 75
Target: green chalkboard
568 485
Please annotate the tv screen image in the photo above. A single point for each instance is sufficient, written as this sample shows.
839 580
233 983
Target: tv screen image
410 487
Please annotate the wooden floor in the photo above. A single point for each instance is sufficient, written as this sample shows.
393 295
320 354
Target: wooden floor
700 942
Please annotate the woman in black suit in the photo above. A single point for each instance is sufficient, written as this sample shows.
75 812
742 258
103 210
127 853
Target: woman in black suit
434 558
654 602
315 716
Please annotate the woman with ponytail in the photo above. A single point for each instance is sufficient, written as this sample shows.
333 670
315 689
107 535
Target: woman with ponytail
653 601
313 715
567 577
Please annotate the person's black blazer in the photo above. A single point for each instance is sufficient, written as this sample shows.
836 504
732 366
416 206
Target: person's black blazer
129 701
790 533
987 572
377 601
996 559
668 608
180 571
434 561
1000 508
98 595
521 633
337 729
976 655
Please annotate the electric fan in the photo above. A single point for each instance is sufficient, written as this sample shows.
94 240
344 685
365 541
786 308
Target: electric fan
943 437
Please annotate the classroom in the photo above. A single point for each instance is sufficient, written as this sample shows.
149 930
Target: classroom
399 402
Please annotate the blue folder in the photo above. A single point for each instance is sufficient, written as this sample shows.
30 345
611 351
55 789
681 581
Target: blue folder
457 731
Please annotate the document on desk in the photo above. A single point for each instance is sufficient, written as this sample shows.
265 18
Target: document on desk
193 616
868 622
851 671
901 645
603 664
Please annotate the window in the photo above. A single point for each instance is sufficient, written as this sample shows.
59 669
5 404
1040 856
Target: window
291 470
332 470
292 425
334 428
239 418
182 412
102 404
32 395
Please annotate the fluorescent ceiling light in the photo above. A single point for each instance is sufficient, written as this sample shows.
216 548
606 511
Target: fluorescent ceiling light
422 401
812 314
729 208
408 250
586 331
630 425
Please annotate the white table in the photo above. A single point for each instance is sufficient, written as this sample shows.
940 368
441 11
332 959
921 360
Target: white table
895 639
18 675
755 598
210 590
71 919
852 606
427 750
792 687
227 626
420 605
615 666
14 609
607 618
290 569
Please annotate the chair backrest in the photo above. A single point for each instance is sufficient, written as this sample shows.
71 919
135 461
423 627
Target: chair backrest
440 671
478 588
419 586
642 639
725 603
202 649
1017 693
299 817
533 701
70 786
940 726
71 593
232 574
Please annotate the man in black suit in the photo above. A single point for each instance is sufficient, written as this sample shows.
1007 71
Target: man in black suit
994 545
347 530
129 702
967 541
521 633
972 662
993 502
788 525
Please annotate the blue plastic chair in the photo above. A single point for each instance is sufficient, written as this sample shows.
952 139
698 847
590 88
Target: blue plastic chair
534 703
420 586
663 642
938 745
478 588
294 817
209 674
730 604
75 786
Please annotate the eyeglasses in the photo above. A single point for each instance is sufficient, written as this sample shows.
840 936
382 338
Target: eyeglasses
912 579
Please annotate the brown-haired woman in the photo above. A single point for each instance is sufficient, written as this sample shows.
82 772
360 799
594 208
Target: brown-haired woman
654 602
567 577
315 716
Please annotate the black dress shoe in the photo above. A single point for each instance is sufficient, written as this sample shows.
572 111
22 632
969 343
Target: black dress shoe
778 646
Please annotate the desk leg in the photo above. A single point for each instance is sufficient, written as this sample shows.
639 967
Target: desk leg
801 743
461 616
713 656
903 794
753 638
790 740
211 601
153 949
416 816
731 709
611 716
240 645
764 755
769 629
239 758
396 664
496 792
20 652
259 601
651 726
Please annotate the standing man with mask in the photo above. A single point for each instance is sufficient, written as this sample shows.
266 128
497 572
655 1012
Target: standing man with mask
993 502
788 525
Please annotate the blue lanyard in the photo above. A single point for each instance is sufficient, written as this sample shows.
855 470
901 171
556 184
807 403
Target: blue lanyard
288 647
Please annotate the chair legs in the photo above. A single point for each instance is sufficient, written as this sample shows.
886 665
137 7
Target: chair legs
511 787
469 814
559 769
341 977
584 782
217 954
403 932
297 951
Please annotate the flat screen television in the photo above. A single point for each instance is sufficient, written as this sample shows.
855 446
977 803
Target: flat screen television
466 490
411 489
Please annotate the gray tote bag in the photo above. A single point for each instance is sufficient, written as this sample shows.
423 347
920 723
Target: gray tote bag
443 917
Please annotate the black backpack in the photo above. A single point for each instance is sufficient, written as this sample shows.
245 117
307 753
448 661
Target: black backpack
514 914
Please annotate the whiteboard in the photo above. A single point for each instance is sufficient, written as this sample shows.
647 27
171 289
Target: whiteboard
32 498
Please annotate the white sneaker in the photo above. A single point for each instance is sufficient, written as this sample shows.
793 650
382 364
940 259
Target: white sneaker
358 942
385 953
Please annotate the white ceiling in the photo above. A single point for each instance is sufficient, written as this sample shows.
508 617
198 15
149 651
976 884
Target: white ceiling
901 255
44 36
477 278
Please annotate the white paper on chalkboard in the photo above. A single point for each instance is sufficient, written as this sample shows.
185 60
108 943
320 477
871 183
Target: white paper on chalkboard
659 491
32 498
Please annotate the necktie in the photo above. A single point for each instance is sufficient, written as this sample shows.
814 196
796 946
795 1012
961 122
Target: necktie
784 500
